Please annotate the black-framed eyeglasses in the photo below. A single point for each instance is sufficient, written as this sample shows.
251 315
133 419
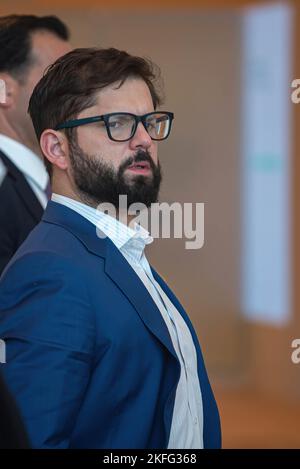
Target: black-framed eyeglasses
121 126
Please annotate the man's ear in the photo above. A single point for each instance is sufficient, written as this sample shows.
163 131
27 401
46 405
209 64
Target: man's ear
9 89
55 148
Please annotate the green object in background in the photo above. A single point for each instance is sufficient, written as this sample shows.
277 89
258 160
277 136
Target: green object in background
266 162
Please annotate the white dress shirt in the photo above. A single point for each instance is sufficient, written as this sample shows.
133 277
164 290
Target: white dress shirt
30 165
187 421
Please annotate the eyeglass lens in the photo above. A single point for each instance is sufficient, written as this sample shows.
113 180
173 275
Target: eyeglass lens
122 126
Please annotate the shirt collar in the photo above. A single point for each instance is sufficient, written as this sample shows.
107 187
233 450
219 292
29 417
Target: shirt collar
123 236
28 162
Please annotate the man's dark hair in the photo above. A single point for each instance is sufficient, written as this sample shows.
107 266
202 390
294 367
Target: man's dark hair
70 84
15 40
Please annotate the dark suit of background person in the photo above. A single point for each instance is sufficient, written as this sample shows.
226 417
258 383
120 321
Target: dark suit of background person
12 432
28 44
20 211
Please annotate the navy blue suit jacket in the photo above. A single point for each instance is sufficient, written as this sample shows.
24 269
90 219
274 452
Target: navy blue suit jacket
89 357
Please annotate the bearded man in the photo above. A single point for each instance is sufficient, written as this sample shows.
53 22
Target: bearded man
100 353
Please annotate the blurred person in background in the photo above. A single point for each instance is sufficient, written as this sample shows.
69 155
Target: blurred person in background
100 353
28 45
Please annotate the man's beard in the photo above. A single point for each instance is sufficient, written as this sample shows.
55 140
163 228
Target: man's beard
98 182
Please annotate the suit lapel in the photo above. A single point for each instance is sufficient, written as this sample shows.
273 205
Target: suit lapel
127 280
23 188
175 301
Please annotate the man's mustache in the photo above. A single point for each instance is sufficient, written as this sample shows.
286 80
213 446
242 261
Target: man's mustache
137 158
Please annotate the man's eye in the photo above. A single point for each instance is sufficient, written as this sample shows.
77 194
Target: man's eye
151 124
116 124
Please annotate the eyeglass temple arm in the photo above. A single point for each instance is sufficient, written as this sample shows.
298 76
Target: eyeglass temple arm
77 122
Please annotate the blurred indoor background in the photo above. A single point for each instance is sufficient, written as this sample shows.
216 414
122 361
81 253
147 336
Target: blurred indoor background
227 68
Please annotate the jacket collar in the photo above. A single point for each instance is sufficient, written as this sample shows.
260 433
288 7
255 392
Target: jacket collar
80 227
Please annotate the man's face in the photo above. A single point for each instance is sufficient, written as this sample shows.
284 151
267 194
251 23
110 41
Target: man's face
101 168
46 48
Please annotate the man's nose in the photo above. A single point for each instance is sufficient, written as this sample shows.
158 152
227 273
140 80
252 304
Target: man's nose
141 138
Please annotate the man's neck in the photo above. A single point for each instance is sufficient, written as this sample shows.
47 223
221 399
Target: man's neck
11 133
